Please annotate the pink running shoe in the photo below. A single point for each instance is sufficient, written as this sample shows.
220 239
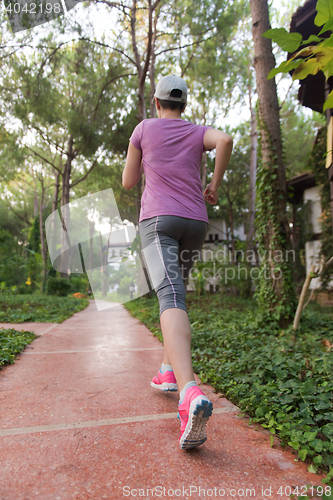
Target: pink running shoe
194 413
164 381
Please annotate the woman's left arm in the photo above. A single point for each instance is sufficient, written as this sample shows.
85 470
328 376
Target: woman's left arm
133 167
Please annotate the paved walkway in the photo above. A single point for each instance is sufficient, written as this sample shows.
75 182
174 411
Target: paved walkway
79 420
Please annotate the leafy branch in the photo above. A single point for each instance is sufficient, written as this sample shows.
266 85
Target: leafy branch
308 59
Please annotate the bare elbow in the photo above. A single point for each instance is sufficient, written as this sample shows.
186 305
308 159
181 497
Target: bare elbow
125 184
228 141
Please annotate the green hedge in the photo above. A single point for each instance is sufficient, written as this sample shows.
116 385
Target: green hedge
58 286
38 308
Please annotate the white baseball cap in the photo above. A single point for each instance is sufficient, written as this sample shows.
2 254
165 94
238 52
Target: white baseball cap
171 88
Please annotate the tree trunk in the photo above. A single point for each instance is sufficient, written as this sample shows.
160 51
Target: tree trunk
152 89
52 241
56 191
149 63
66 175
273 232
227 235
36 205
231 219
103 270
42 238
91 233
253 175
152 69
65 193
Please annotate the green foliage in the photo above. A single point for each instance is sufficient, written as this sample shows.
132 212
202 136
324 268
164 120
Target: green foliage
324 14
231 279
214 66
79 284
34 235
11 157
71 95
12 262
309 59
13 342
24 289
8 220
38 308
233 201
58 286
287 41
124 285
285 387
299 134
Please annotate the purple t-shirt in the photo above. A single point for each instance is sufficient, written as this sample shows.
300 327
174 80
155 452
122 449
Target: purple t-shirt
171 152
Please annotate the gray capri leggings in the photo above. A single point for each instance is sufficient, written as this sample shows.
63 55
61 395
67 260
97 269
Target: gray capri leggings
170 246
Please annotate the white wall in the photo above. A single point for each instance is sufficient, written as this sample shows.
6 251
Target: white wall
313 195
312 248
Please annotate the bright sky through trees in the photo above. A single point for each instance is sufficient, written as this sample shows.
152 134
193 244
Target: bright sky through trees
99 21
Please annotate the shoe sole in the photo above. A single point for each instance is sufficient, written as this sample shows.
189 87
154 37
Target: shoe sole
165 386
195 431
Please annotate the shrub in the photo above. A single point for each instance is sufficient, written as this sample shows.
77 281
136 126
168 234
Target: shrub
13 342
24 290
58 286
79 284
236 280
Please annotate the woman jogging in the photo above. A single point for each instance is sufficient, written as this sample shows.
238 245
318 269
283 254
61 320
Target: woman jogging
173 225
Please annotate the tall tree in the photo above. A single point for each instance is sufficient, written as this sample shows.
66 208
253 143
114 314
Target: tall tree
253 173
69 106
190 38
70 102
276 287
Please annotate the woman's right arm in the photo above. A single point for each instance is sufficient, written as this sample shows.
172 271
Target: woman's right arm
133 168
222 142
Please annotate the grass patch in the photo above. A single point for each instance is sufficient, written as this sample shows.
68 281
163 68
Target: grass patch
286 387
39 308
12 343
